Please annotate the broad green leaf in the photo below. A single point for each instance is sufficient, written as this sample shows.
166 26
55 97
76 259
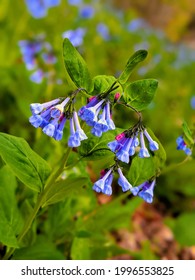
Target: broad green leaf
10 218
183 229
27 165
140 93
137 57
142 169
43 249
76 66
187 134
95 148
102 83
65 188
80 249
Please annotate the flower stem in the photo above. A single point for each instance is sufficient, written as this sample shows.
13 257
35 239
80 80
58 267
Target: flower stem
40 201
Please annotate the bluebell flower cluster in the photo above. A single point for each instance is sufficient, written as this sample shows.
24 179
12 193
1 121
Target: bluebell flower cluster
97 113
181 145
32 52
124 146
51 118
75 36
39 8
104 185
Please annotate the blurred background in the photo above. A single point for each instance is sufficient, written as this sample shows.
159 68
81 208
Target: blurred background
106 33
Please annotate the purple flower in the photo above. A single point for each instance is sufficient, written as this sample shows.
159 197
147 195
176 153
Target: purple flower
153 145
125 145
32 51
37 76
29 50
136 24
145 191
104 183
74 2
75 36
143 150
181 145
77 133
123 182
86 11
97 114
103 30
192 102
39 8
51 117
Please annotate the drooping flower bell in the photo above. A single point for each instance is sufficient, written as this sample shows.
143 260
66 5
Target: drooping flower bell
103 185
97 113
181 145
52 116
126 142
145 190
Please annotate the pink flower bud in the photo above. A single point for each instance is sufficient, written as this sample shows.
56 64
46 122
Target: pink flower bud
117 96
120 136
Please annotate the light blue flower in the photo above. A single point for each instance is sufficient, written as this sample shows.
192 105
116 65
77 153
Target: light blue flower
74 2
123 182
152 144
108 185
51 117
181 145
146 191
143 150
103 30
86 11
37 76
75 36
39 8
192 102
136 24
99 186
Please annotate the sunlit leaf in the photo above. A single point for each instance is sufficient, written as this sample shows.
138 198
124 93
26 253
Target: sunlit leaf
137 57
76 66
140 93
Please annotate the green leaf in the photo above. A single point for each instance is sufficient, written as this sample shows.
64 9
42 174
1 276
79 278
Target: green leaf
187 134
27 165
10 218
76 66
183 229
43 249
95 148
137 57
140 93
103 82
80 249
65 188
142 169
